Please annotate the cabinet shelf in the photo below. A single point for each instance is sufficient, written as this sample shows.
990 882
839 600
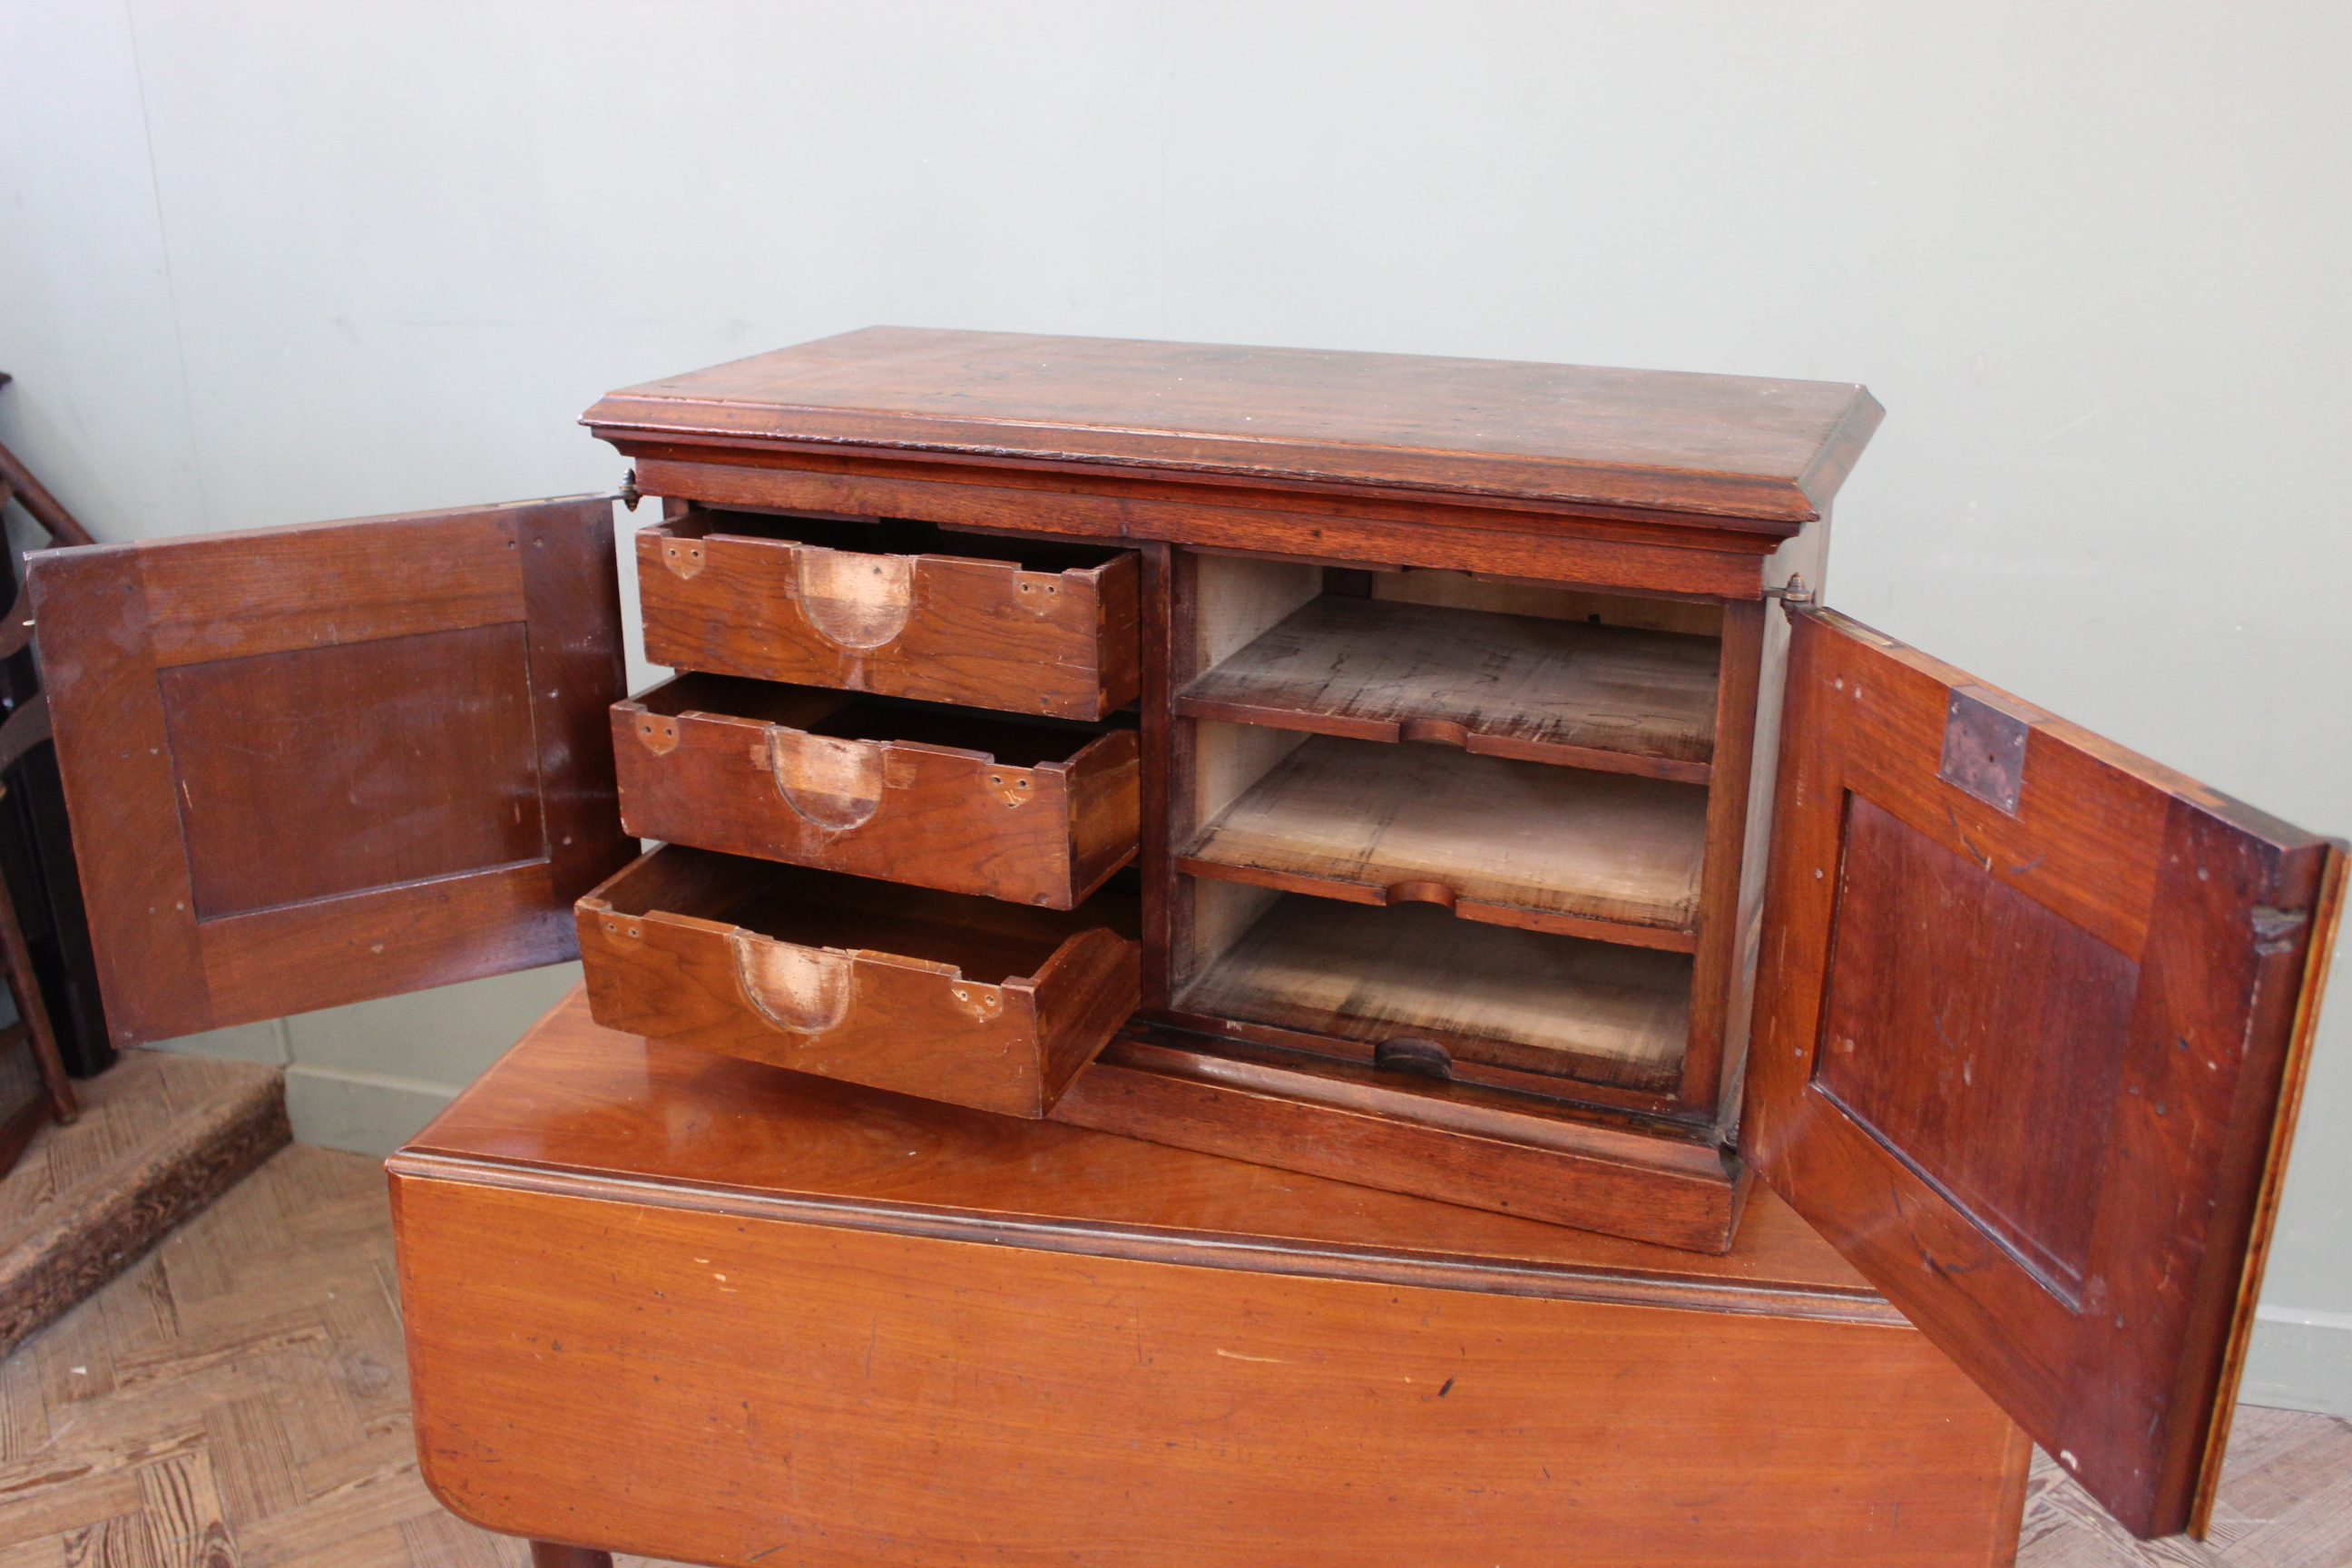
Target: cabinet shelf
1545 690
1526 1000
1497 840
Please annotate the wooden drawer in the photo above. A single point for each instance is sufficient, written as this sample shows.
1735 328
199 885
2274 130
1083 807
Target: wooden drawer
942 996
902 609
1031 812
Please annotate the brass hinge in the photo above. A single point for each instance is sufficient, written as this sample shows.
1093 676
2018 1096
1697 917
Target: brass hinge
628 493
1793 595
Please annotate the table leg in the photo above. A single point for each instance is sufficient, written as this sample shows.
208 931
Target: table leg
549 1555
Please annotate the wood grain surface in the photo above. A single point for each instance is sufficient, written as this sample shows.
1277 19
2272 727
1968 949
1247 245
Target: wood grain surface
1515 686
1301 1112
945 995
1615 549
1493 997
858 1321
1730 446
1509 842
399 764
933 797
1724 950
587 1104
903 610
255 1362
2032 1084
314 766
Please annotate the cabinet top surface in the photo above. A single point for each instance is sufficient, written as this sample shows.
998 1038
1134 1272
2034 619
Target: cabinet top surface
576 1100
1498 430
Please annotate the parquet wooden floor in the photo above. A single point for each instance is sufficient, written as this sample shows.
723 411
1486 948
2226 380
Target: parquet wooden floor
237 1398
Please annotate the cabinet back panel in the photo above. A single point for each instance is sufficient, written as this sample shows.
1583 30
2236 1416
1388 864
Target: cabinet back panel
1220 914
1461 591
1236 601
1227 758
306 773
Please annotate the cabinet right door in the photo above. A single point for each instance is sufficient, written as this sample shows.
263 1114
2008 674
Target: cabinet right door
2034 1016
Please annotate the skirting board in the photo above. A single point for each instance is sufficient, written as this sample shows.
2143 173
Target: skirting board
367 1113
2300 1361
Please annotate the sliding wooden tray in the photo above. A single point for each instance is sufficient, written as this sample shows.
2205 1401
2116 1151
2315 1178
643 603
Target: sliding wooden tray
1508 686
1521 1008
1025 810
1509 842
944 996
904 609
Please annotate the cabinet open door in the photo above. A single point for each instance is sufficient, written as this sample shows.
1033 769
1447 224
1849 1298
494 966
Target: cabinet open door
2035 1018
319 765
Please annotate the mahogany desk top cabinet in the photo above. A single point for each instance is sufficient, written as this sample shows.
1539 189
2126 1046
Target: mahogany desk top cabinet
1394 769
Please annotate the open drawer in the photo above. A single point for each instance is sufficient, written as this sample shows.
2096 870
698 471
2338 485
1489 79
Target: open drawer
940 995
906 609
1029 810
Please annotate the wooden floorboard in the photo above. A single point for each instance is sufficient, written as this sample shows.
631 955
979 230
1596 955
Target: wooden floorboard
158 1138
238 1397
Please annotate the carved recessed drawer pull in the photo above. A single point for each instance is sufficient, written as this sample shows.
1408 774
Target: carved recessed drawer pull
1435 732
800 990
1412 1054
855 601
833 783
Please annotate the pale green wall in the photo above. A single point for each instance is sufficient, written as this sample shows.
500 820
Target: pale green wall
264 261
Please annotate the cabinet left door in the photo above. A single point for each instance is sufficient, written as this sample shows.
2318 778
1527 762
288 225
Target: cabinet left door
319 765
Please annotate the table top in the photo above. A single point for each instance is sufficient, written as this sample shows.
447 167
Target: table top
580 1109
1727 447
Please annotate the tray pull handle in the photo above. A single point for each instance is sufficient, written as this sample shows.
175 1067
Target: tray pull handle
800 990
855 601
832 783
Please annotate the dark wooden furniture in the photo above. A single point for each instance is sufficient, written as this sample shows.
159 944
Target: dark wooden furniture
1499 837
662 1301
37 869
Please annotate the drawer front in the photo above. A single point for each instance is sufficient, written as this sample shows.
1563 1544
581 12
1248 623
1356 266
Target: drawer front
933 817
903 1016
977 632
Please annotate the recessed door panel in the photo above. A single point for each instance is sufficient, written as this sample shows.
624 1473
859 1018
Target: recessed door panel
314 766
2034 1012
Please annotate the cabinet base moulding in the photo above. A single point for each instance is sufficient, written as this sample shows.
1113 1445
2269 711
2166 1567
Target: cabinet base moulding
1641 1186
